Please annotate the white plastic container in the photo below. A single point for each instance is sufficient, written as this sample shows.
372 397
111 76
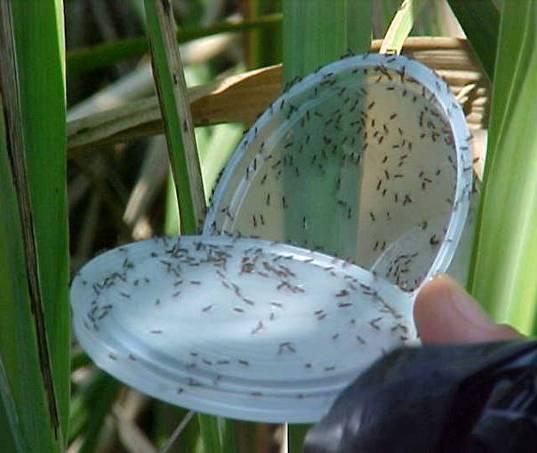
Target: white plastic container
367 159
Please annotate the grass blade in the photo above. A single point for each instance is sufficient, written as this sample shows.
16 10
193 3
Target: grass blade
99 399
262 46
168 421
177 432
210 433
100 56
216 152
296 435
41 59
505 251
29 373
89 408
9 439
316 32
171 87
480 20
32 424
400 26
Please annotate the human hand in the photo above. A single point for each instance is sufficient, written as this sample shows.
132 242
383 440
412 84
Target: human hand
419 399
445 313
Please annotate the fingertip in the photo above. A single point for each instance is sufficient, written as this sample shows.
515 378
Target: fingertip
435 289
445 313
431 306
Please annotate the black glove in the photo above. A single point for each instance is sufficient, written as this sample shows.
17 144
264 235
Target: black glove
465 398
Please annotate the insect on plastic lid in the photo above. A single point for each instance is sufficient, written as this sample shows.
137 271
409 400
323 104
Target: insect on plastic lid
367 160
242 328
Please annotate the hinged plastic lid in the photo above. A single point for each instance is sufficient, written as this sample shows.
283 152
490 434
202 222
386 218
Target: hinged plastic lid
236 327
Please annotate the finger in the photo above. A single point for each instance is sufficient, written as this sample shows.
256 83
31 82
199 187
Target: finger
445 313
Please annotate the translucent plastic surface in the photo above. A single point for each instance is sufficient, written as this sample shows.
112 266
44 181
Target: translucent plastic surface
367 160
241 328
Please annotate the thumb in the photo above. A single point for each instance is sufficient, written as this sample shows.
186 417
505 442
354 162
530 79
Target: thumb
445 313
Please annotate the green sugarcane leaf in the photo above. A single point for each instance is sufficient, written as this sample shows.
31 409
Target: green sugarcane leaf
171 87
182 150
505 252
33 379
41 69
316 32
